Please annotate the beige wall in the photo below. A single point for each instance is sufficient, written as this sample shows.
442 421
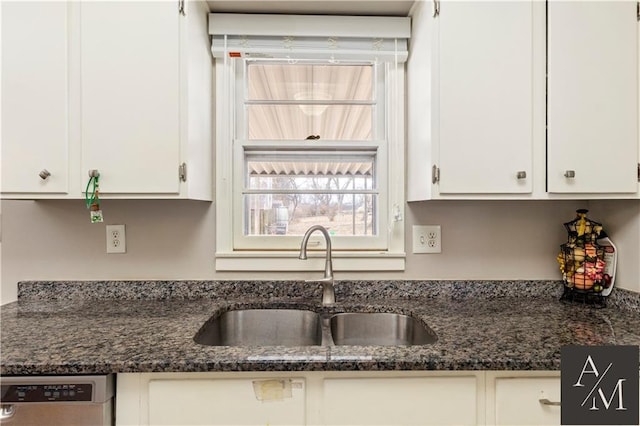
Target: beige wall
53 240
621 219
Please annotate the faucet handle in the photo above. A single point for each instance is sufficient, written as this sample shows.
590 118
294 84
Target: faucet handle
328 291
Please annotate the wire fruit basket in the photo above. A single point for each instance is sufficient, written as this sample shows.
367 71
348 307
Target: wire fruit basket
582 260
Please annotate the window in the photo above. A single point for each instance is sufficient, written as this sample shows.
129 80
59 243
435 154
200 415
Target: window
310 139
305 139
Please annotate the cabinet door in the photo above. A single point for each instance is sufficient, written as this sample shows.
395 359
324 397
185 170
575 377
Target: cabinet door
592 97
518 401
400 401
485 92
130 95
227 402
34 97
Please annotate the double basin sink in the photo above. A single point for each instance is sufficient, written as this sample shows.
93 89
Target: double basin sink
299 327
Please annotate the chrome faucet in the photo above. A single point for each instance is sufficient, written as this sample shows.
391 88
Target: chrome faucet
328 292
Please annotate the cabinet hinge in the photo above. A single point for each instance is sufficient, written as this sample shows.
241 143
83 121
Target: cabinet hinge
436 8
182 172
435 174
181 8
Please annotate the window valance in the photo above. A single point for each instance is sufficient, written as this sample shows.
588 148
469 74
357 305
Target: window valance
310 37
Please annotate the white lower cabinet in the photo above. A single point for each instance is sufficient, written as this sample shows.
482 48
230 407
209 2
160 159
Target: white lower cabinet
408 400
518 398
227 401
211 399
340 398
299 398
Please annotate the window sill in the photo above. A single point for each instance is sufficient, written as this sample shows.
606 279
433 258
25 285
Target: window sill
288 261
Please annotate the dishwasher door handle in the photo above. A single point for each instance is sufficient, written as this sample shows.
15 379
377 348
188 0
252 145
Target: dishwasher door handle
7 411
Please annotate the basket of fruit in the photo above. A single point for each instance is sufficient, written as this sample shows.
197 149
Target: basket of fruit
582 260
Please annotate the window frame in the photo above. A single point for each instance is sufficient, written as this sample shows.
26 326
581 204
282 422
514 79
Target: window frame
242 144
387 254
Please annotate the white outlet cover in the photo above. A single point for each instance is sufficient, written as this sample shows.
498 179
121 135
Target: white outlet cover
427 239
116 239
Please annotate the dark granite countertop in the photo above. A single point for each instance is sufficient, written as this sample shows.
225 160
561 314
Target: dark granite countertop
104 327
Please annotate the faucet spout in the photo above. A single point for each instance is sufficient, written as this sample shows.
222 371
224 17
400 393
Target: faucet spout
328 292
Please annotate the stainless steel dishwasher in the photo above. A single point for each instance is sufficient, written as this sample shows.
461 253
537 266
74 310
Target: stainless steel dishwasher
57 400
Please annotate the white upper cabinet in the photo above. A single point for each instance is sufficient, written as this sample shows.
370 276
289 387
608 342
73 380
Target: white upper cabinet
489 118
476 100
592 97
484 84
35 101
124 88
130 67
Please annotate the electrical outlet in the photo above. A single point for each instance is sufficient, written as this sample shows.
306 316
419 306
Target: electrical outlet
116 239
427 239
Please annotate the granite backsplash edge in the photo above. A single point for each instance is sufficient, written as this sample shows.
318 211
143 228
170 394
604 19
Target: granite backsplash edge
273 289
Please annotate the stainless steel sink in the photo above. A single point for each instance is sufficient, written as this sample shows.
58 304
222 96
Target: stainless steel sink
298 327
262 327
383 329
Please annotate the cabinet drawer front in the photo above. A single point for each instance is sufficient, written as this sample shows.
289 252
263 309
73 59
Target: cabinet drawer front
400 401
227 402
518 401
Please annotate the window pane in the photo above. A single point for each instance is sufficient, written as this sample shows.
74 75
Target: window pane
313 174
296 122
293 214
301 171
287 82
298 190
